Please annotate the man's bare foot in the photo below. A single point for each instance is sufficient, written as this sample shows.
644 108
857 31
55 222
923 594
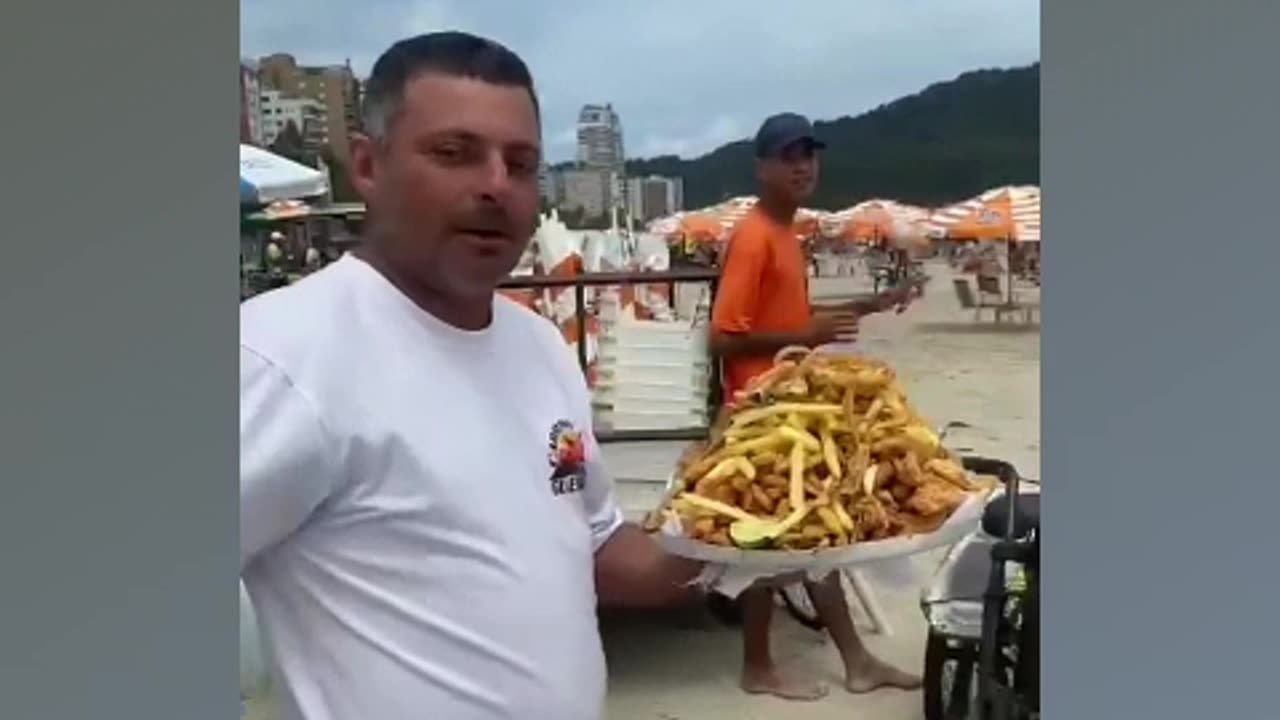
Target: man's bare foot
768 682
870 673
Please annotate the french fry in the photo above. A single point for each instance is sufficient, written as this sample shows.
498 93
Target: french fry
800 437
873 412
796 495
842 516
747 417
849 407
714 506
829 454
911 473
813 533
831 522
869 480
812 460
767 458
706 464
722 469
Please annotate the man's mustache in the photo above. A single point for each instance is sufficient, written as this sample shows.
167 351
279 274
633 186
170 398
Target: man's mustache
485 218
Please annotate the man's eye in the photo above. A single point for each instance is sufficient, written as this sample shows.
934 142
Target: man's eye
522 167
447 152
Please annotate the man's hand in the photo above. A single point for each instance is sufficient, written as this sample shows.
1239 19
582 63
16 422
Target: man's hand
632 570
832 325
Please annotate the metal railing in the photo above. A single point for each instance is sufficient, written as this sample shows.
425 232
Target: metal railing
670 278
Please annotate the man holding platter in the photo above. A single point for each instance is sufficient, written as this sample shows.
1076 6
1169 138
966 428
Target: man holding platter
426 524
761 307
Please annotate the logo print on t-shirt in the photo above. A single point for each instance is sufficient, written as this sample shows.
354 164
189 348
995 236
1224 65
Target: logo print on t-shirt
568 459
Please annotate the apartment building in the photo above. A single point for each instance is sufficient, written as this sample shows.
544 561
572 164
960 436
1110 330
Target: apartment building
334 88
655 196
307 115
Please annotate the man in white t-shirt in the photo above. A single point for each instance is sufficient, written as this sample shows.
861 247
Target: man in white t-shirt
425 524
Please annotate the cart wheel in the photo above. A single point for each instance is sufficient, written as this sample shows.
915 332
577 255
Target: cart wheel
800 606
949 686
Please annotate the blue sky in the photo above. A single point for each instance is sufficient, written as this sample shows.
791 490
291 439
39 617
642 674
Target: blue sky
685 75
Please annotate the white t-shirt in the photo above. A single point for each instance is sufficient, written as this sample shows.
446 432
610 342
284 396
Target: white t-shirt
419 507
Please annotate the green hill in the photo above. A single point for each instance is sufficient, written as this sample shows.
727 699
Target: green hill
948 142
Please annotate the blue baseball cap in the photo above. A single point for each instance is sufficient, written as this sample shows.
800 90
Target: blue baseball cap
782 131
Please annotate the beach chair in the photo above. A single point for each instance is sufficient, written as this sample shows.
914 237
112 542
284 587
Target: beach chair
989 285
968 301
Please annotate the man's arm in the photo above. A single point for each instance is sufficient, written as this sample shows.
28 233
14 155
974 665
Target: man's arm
893 299
287 464
631 569
732 344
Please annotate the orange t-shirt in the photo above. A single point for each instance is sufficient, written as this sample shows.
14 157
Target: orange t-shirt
764 287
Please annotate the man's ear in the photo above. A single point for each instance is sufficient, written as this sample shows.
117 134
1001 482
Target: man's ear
364 165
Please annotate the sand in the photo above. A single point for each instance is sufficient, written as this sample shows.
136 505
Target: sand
680 666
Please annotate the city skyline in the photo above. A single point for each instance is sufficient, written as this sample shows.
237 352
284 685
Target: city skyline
687 77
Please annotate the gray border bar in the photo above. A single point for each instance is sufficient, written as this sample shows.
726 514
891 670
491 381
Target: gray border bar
1159 359
117 535
118 392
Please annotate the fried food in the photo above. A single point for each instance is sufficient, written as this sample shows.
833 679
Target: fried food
820 451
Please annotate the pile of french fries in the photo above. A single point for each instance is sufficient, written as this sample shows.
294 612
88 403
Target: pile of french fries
821 451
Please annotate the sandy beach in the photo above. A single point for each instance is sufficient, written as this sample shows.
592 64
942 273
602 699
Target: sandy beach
683 666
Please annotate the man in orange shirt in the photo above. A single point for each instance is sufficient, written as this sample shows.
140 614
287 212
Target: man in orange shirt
762 306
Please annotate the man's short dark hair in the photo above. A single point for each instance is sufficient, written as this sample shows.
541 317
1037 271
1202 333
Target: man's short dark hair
456 54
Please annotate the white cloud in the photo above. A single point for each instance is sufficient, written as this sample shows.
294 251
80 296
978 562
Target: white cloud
722 129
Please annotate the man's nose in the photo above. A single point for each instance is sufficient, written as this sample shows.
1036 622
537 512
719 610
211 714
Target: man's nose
495 177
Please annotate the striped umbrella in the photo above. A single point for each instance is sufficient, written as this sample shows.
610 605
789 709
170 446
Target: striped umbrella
1010 213
879 222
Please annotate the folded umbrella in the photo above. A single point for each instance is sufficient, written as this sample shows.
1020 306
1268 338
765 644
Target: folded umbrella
266 177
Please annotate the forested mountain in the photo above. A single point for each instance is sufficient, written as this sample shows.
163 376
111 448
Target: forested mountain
948 142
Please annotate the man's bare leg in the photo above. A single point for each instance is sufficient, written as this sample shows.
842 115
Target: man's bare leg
759 674
863 672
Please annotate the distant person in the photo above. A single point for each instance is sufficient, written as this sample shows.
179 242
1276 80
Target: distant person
761 307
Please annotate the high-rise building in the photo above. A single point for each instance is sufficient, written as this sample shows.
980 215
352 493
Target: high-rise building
334 88
600 151
250 104
600 138
307 115
653 197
